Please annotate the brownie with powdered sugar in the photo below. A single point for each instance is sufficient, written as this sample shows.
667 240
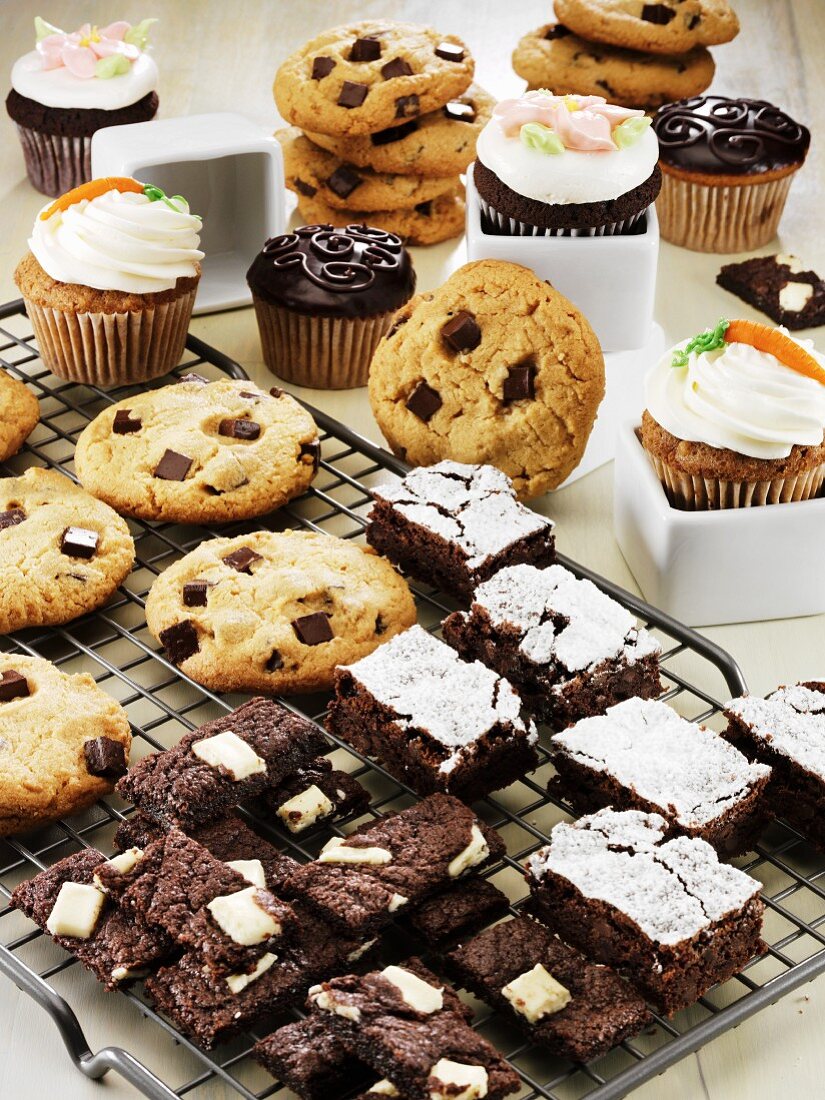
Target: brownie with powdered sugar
642 755
437 722
454 525
568 648
666 913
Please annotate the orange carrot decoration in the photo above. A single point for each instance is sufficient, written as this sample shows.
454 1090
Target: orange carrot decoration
787 351
92 190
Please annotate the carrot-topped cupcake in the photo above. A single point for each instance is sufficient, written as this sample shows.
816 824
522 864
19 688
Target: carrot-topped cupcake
110 281
736 417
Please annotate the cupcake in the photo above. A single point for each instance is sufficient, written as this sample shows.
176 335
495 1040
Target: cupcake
73 84
110 281
727 167
736 417
324 297
565 166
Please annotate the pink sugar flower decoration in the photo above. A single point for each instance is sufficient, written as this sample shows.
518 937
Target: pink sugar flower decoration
80 50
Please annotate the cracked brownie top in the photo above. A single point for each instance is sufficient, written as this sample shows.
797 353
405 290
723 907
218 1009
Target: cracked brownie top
791 722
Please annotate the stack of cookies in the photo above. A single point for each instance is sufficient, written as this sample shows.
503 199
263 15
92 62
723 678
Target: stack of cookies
384 117
635 54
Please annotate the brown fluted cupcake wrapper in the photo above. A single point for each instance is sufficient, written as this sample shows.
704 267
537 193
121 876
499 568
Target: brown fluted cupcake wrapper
55 164
112 349
493 221
326 353
692 493
711 218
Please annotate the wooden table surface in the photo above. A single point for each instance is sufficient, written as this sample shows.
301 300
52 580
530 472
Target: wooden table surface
218 55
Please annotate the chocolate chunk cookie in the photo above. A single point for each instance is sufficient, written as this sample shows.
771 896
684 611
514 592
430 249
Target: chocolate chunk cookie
674 26
368 76
554 58
62 553
55 730
494 367
275 612
199 452
441 143
430 222
19 413
312 171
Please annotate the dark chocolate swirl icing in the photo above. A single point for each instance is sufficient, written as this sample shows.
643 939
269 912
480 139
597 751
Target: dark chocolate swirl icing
354 271
717 135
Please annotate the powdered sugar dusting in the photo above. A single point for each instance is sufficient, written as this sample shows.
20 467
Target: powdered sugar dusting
680 766
791 722
671 889
430 688
472 506
596 628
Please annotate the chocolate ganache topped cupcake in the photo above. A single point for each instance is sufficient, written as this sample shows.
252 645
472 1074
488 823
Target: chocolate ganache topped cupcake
727 166
324 297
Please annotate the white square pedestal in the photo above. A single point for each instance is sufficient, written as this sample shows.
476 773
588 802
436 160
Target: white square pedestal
231 173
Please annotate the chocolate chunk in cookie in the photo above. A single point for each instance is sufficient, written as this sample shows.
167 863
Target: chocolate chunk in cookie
79 542
660 14
13 685
105 757
407 106
352 94
311 453
424 401
365 49
173 466
11 518
397 67
195 593
519 384
394 133
126 424
460 112
449 52
462 332
321 67
344 181
239 428
180 641
242 559
313 629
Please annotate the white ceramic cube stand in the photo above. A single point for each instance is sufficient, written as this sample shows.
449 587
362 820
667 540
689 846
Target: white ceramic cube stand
612 280
706 568
231 173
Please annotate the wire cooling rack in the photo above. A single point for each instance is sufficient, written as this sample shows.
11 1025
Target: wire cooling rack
114 645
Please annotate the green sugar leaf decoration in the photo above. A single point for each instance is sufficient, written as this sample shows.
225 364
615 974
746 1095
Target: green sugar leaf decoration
139 34
709 340
627 133
157 194
43 29
113 65
541 138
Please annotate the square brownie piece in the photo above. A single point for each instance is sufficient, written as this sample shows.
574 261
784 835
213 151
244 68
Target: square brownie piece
566 646
310 1059
666 913
457 911
255 747
575 1008
454 525
642 755
787 731
359 883
436 722
778 286
409 1028
119 948
317 792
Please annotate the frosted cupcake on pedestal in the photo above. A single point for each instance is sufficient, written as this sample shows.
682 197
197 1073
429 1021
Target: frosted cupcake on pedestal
73 84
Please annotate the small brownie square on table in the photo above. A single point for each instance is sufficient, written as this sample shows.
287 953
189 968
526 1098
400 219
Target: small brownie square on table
642 755
457 911
119 947
316 792
359 883
787 731
566 646
778 286
575 1008
179 787
411 1029
666 913
455 525
437 723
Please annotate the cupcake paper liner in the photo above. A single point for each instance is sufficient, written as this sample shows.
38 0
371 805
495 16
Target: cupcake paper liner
112 349
492 221
708 218
55 164
692 493
327 353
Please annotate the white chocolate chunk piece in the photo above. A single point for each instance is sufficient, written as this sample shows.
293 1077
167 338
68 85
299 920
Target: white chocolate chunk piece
396 902
362 950
229 751
536 994
324 1000
122 863
795 296
238 982
415 992
789 261
76 911
384 1088
126 973
305 809
335 851
460 1081
475 852
251 869
242 918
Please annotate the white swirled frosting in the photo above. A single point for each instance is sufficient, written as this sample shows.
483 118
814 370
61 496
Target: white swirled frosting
739 398
60 88
119 241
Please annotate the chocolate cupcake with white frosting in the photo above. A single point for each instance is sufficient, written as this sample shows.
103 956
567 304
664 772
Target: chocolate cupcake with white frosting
565 165
73 84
